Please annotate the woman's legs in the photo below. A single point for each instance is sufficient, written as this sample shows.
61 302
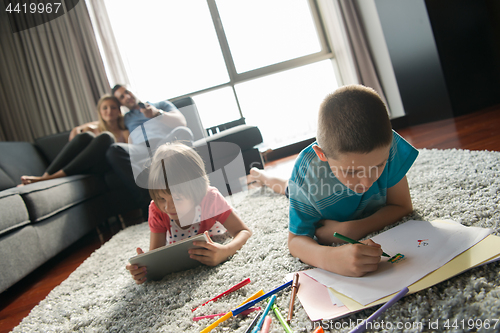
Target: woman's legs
92 159
276 184
67 154
86 155
70 151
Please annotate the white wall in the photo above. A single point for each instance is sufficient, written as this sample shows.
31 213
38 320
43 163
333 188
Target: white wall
380 54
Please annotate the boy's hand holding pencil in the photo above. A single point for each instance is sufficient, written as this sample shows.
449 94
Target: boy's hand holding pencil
353 259
352 241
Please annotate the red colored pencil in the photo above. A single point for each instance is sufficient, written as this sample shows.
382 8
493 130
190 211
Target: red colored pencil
230 290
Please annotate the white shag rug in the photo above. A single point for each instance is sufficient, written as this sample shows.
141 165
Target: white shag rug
100 295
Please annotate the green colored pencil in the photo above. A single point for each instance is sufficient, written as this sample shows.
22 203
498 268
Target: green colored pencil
352 241
281 319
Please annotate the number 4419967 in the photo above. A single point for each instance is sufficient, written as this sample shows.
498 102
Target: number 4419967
33 8
471 324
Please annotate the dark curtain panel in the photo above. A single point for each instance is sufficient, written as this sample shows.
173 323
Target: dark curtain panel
51 76
362 58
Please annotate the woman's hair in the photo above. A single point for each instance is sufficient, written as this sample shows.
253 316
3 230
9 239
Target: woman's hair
178 169
102 124
353 119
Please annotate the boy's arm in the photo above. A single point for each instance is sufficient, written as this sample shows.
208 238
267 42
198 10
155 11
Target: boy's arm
398 205
348 260
212 253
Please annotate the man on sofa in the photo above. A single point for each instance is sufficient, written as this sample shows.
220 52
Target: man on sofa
173 128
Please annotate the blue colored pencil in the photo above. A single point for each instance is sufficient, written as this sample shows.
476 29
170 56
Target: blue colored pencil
264 314
263 297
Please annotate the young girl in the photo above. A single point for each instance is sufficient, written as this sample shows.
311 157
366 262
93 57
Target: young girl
184 205
86 151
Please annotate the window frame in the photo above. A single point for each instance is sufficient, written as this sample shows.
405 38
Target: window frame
235 77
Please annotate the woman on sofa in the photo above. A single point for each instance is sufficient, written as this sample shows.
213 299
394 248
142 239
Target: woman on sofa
85 153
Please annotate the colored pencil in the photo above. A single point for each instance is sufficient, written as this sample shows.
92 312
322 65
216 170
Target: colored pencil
281 319
230 290
264 314
352 241
230 314
263 297
362 327
223 314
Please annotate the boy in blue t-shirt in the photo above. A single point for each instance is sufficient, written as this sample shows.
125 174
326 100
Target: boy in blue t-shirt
352 180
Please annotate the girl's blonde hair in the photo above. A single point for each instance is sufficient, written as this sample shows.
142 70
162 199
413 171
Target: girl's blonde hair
102 124
177 168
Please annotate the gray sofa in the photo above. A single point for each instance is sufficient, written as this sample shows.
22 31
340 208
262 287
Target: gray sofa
39 220
245 137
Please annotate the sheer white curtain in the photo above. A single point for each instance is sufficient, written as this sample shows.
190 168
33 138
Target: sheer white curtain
349 43
114 64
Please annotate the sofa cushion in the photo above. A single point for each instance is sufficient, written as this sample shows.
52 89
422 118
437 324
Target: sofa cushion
21 254
245 136
51 145
47 198
6 181
58 232
14 212
18 159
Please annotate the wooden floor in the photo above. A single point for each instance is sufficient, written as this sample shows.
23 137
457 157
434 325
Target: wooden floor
476 131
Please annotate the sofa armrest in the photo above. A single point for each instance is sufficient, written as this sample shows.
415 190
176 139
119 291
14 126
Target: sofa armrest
245 136
51 145
225 126
188 108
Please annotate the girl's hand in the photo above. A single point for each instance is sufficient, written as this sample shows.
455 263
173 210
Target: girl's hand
211 254
138 273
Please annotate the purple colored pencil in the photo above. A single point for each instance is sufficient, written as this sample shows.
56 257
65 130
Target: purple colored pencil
362 327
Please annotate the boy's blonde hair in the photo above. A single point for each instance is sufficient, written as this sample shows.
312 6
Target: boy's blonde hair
175 164
102 124
353 119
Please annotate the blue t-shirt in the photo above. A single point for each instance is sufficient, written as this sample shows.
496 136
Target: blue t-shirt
316 194
135 118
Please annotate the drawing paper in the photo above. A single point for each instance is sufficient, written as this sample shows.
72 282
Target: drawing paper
426 247
316 307
315 300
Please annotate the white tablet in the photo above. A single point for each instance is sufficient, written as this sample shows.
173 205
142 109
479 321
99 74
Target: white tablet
169 258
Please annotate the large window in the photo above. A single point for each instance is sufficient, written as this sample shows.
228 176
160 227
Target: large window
265 60
261 33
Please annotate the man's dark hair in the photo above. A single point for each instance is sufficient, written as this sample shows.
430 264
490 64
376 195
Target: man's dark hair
353 119
115 88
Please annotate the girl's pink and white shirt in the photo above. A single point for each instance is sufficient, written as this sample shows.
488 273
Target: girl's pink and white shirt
210 216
